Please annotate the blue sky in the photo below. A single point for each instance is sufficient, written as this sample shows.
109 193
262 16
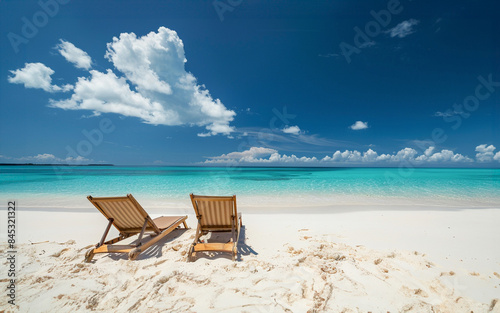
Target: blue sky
288 83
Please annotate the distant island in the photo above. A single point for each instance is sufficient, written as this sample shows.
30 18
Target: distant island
36 164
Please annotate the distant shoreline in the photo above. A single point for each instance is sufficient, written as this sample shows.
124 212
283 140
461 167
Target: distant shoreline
260 166
35 164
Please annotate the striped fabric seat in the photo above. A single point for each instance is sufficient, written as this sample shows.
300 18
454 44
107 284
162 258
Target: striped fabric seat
129 218
215 214
128 215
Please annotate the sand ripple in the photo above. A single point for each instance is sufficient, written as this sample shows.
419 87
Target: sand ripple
314 275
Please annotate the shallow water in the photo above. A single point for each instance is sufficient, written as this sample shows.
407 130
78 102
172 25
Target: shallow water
45 186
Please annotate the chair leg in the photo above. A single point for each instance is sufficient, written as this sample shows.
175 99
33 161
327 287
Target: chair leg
190 254
110 222
134 253
199 233
142 232
89 255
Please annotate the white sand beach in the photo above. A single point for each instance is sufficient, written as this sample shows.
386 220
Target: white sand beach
337 259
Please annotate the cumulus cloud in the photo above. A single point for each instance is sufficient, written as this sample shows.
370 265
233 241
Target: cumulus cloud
403 155
277 158
428 152
252 152
258 155
143 60
155 65
40 157
36 75
249 155
108 93
74 55
403 29
359 125
444 156
485 153
294 130
497 156
346 156
370 156
50 158
155 86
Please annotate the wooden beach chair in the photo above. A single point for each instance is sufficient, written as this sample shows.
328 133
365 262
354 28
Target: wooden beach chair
215 214
129 218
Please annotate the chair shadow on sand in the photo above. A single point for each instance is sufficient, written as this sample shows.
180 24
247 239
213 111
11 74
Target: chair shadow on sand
154 251
243 248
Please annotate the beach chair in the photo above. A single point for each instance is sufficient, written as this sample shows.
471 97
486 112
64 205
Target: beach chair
129 218
215 214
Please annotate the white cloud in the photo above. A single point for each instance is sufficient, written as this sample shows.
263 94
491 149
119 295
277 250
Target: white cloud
150 62
50 158
497 156
428 152
370 156
155 88
251 154
485 153
443 156
36 75
404 155
40 157
345 156
403 29
155 65
74 55
359 125
294 130
257 155
107 93
276 157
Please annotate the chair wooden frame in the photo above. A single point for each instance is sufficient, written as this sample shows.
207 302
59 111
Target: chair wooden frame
215 214
129 218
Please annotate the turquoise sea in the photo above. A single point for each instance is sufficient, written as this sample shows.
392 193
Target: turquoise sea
48 186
